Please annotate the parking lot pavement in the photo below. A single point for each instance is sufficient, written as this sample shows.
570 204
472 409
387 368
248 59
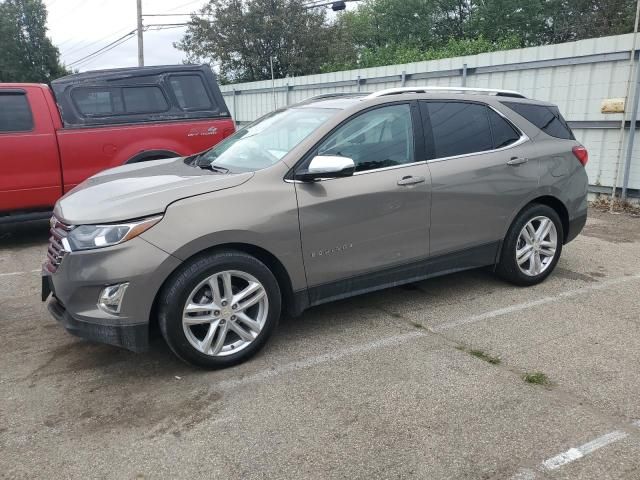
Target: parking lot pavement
424 381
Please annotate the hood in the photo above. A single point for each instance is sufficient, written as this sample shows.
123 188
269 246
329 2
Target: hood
139 190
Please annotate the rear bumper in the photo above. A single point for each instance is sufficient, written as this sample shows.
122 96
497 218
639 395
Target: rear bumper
134 337
575 227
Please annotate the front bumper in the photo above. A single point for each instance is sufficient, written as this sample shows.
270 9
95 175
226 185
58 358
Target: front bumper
134 337
81 276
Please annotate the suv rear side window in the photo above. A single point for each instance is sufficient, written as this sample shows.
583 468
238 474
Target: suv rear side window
190 92
15 114
375 139
547 119
459 128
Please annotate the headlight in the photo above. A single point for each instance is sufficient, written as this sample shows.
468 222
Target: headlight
86 237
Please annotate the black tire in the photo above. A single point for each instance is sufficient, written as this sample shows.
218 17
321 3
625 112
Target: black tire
507 267
175 294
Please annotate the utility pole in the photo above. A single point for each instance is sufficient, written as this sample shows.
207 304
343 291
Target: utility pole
140 40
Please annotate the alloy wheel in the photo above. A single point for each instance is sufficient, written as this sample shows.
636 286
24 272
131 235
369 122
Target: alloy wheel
225 313
536 246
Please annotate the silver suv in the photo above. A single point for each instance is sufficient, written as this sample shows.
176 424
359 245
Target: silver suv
335 196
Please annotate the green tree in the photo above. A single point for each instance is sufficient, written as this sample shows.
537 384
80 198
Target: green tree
578 19
241 36
26 53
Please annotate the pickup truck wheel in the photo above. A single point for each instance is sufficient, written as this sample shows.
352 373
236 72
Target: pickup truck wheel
532 247
152 155
219 309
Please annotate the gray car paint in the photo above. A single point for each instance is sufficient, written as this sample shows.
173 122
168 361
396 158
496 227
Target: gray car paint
139 190
463 202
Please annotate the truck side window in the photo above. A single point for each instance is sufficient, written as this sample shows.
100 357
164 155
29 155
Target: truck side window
144 100
15 114
190 92
97 101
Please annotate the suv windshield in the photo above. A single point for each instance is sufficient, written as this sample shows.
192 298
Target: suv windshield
265 141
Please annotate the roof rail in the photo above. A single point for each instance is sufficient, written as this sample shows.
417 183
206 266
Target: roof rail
483 91
333 95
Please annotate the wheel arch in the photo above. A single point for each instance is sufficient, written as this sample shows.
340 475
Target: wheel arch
290 301
559 207
147 155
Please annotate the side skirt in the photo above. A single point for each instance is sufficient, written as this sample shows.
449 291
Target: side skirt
475 257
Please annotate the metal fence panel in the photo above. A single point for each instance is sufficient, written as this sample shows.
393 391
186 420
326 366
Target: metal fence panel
576 76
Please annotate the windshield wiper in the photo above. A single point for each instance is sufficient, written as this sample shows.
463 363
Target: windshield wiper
213 168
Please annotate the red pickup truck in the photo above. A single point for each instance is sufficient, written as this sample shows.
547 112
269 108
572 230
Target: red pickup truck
51 139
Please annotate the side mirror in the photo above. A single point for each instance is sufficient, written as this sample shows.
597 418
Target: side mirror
327 166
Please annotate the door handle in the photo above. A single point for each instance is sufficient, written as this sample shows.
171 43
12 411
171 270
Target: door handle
517 161
409 180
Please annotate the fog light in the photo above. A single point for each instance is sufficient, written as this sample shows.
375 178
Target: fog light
111 297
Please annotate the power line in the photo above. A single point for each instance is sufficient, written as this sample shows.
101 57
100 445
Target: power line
114 43
152 27
117 32
88 61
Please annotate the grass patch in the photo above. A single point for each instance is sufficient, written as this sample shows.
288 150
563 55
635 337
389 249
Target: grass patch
481 355
536 378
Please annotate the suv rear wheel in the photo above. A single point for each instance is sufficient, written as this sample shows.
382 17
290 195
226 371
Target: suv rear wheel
219 309
532 247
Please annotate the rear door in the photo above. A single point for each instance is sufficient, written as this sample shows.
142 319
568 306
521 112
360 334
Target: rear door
482 168
376 219
29 162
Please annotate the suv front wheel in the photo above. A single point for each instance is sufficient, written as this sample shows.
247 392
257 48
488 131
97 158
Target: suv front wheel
219 309
532 247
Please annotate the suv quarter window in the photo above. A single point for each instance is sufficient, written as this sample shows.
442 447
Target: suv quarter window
546 118
378 138
15 113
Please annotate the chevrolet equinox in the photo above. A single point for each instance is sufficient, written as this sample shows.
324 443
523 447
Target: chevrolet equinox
335 196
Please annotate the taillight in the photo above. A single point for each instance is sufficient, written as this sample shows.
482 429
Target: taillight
581 154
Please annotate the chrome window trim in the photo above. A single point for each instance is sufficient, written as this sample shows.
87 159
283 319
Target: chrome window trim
364 172
523 138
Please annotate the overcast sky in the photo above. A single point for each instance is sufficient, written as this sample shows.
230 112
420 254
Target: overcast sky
80 27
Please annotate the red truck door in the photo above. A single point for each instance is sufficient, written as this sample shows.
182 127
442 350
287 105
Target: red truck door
30 176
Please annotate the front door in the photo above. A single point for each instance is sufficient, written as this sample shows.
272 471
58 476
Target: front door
483 169
376 219
29 166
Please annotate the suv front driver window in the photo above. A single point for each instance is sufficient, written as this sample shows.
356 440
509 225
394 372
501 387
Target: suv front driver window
376 139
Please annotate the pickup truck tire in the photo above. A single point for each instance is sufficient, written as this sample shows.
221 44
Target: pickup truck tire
222 327
152 155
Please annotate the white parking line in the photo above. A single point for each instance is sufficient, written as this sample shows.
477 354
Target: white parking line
10 274
327 357
576 453
534 303
396 339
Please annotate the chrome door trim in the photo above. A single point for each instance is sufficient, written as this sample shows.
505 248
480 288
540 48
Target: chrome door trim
524 138
375 170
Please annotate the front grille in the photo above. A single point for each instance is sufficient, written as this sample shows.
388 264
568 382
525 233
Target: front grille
56 250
